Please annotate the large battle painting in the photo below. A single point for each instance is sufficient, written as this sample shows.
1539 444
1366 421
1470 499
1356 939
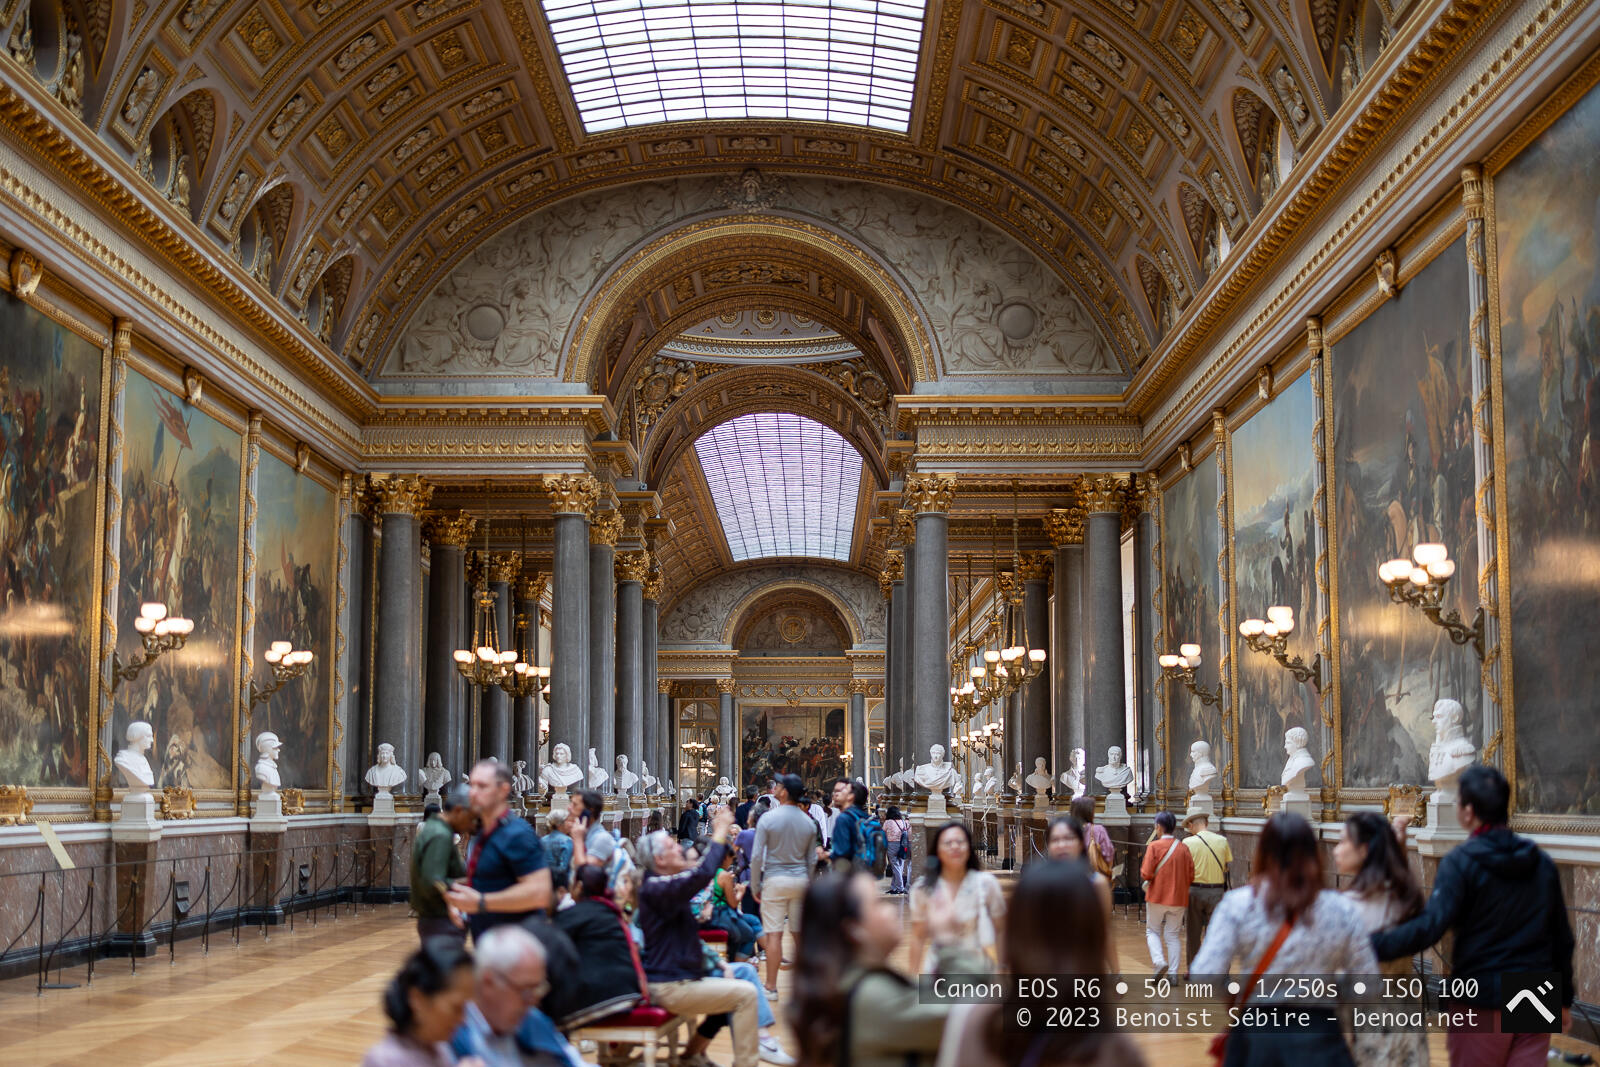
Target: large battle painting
809 742
295 539
1404 474
1189 539
180 547
1274 563
1547 218
49 440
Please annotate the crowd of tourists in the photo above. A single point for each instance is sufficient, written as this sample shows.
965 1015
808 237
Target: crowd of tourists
805 880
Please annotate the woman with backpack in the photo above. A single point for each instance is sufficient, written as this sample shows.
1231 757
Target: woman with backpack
848 1006
897 836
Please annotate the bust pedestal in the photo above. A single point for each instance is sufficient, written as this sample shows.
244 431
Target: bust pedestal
1041 805
138 820
269 817
1201 803
1298 802
135 838
266 861
936 806
558 799
1116 811
1443 832
383 813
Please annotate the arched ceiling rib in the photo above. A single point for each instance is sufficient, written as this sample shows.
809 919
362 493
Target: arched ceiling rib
414 131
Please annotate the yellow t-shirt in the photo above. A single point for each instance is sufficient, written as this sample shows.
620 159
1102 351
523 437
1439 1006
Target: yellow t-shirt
1209 862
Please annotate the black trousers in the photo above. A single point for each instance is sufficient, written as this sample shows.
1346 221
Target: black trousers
1203 900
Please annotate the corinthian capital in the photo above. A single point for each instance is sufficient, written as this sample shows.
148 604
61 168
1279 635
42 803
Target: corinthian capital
1103 492
605 528
633 566
726 685
1064 526
572 494
894 570
664 686
858 685
399 494
505 566
929 493
1147 489
451 531
1034 566
654 584
905 528
532 586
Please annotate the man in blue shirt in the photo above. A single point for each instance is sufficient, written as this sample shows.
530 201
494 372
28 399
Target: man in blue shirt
505 1025
844 847
508 874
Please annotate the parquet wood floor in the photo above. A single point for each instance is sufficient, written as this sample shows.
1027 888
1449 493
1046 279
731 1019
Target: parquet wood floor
306 998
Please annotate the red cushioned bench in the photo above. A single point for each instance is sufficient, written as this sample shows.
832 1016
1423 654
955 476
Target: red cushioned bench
647 1028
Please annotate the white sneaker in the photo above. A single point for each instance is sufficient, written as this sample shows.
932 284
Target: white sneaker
772 1052
772 994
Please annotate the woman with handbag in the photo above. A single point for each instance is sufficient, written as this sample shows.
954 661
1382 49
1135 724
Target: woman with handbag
956 876
897 831
1284 922
1167 870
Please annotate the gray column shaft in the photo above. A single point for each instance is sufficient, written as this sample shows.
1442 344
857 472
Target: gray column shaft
727 739
494 720
1066 650
397 711
1036 694
363 749
858 736
930 666
1104 721
1151 757
667 742
602 661
650 733
569 638
444 687
904 730
891 675
525 710
630 675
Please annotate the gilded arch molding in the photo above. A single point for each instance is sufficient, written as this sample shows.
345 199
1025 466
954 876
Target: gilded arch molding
753 598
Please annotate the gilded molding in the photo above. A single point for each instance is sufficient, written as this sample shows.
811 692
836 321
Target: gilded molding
572 494
340 650
244 642
1472 192
450 531
26 273
399 494
929 493
1064 526
632 566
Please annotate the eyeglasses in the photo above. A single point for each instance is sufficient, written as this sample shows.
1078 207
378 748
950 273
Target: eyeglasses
530 994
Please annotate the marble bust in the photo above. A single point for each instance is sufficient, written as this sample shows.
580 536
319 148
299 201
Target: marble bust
1451 752
1072 777
897 780
649 780
724 789
1040 779
1204 773
1116 775
385 775
267 747
936 775
432 776
625 777
560 774
1299 762
521 784
131 760
990 782
1014 783
597 773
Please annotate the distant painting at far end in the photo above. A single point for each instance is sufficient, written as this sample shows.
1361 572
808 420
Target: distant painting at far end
295 540
1547 219
1402 401
180 547
1274 563
808 741
49 442
1189 539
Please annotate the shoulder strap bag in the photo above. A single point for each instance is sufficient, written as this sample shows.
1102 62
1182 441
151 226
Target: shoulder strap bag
1227 877
1219 1044
843 1056
1145 885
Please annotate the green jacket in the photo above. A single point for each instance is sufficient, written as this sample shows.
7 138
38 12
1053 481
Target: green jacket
434 858
888 1025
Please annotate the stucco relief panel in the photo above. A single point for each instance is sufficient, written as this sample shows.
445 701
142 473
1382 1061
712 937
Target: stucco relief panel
702 616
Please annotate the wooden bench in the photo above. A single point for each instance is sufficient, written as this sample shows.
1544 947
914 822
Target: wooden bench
646 1028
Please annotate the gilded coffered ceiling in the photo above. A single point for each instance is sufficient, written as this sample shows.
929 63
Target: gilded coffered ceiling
349 153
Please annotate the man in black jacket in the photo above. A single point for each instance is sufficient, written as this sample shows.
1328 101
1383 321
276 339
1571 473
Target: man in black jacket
1501 896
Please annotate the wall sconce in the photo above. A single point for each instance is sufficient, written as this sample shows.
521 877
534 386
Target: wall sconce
161 633
1421 584
287 663
1271 637
1180 668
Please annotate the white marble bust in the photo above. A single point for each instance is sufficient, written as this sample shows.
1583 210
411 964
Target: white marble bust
385 775
521 783
936 775
897 780
651 786
561 774
267 747
1115 775
1072 777
724 789
1204 773
1014 783
625 777
131 760
1451 752
432 776
986 782
1040 779
1299 762
597 774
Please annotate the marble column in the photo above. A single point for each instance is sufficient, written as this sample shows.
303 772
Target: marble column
667 738
903 728
397 695
1104 713
650 692
728 731
603 533
572 497
1150 762
367 530
892 583
929 497
444 690
858 728
494 724
631 570
525 710
1035 633
1065 529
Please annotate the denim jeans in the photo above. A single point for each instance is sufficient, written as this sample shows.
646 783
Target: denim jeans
748 973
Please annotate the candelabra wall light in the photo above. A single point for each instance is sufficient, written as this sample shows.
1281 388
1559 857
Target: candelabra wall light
287 663
1270 636
160 633
544 732
1181 668
1421 581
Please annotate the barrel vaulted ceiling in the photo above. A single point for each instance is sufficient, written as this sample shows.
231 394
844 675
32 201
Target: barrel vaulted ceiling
349 153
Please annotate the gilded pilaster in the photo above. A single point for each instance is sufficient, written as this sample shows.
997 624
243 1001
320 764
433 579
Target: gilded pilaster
247 609
111 570
1226 682
1332 750
338 707
1483 377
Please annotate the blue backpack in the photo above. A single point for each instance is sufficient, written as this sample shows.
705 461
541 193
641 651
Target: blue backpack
871 843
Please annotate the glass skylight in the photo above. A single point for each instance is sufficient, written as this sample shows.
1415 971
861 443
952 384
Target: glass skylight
634 62
783 486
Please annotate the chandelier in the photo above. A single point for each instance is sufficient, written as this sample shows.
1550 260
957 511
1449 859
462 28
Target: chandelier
525 678
484 664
